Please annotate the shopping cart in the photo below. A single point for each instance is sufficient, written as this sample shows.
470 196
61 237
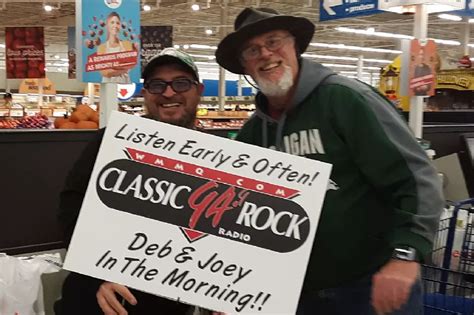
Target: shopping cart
448 279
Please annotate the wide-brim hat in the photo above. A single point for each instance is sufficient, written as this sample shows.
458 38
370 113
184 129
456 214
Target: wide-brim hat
171 55
255 21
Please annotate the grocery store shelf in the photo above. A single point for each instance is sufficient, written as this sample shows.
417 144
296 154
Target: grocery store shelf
227 128
221 117
38 130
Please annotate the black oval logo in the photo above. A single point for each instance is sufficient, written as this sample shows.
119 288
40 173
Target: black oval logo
203 205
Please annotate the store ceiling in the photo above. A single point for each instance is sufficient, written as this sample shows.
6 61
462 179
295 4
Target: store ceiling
190 26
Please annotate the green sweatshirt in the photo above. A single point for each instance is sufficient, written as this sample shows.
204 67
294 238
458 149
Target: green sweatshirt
383 190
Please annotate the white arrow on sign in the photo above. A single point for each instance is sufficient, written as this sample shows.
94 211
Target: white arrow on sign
328 4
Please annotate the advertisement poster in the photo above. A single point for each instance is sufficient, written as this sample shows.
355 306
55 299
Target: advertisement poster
24 52
154 39
109 36
71 52
191 216
423 64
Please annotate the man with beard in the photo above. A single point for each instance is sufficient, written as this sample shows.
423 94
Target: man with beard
384 200
172 92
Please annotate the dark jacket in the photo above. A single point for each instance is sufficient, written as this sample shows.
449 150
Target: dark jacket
383 190
79 291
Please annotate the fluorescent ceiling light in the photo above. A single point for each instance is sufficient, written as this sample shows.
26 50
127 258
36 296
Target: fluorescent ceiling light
450 17
330 57
146 7
348 66
308 55
202 63
48 8
215 66
370 32
356 48
430 7
345 58
195 7
209 32
199 46
377 60
447 42
339 65
210 57
176 46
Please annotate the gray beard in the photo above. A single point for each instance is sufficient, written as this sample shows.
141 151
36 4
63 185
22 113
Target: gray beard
278 89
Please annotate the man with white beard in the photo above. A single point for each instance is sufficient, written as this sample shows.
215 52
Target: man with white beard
384 200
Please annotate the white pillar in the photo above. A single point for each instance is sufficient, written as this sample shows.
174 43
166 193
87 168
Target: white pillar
360 64
7 83
40 92
91 93
239 85
465 36
415 119
221 92
108 102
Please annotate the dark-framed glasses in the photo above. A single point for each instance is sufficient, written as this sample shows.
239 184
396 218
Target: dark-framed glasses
179 85
272 44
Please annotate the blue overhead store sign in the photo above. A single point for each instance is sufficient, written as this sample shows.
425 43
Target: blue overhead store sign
468 11
342 9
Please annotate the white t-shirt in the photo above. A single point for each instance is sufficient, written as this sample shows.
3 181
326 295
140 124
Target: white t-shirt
123 78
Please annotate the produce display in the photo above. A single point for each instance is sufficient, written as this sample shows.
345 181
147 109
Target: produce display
83 117
220 124
9 123
38 121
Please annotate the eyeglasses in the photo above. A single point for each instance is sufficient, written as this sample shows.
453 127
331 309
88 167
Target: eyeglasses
179 85
272 44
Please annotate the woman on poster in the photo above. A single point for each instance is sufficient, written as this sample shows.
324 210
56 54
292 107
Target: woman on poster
114 44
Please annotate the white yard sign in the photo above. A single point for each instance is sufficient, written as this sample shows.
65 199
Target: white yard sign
206 220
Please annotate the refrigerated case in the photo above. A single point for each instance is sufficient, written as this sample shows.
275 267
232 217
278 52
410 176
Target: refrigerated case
34 167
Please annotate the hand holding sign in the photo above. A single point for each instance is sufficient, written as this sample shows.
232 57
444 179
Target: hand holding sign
183 220
107 298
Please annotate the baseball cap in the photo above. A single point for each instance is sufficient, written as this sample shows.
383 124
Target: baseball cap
171 56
